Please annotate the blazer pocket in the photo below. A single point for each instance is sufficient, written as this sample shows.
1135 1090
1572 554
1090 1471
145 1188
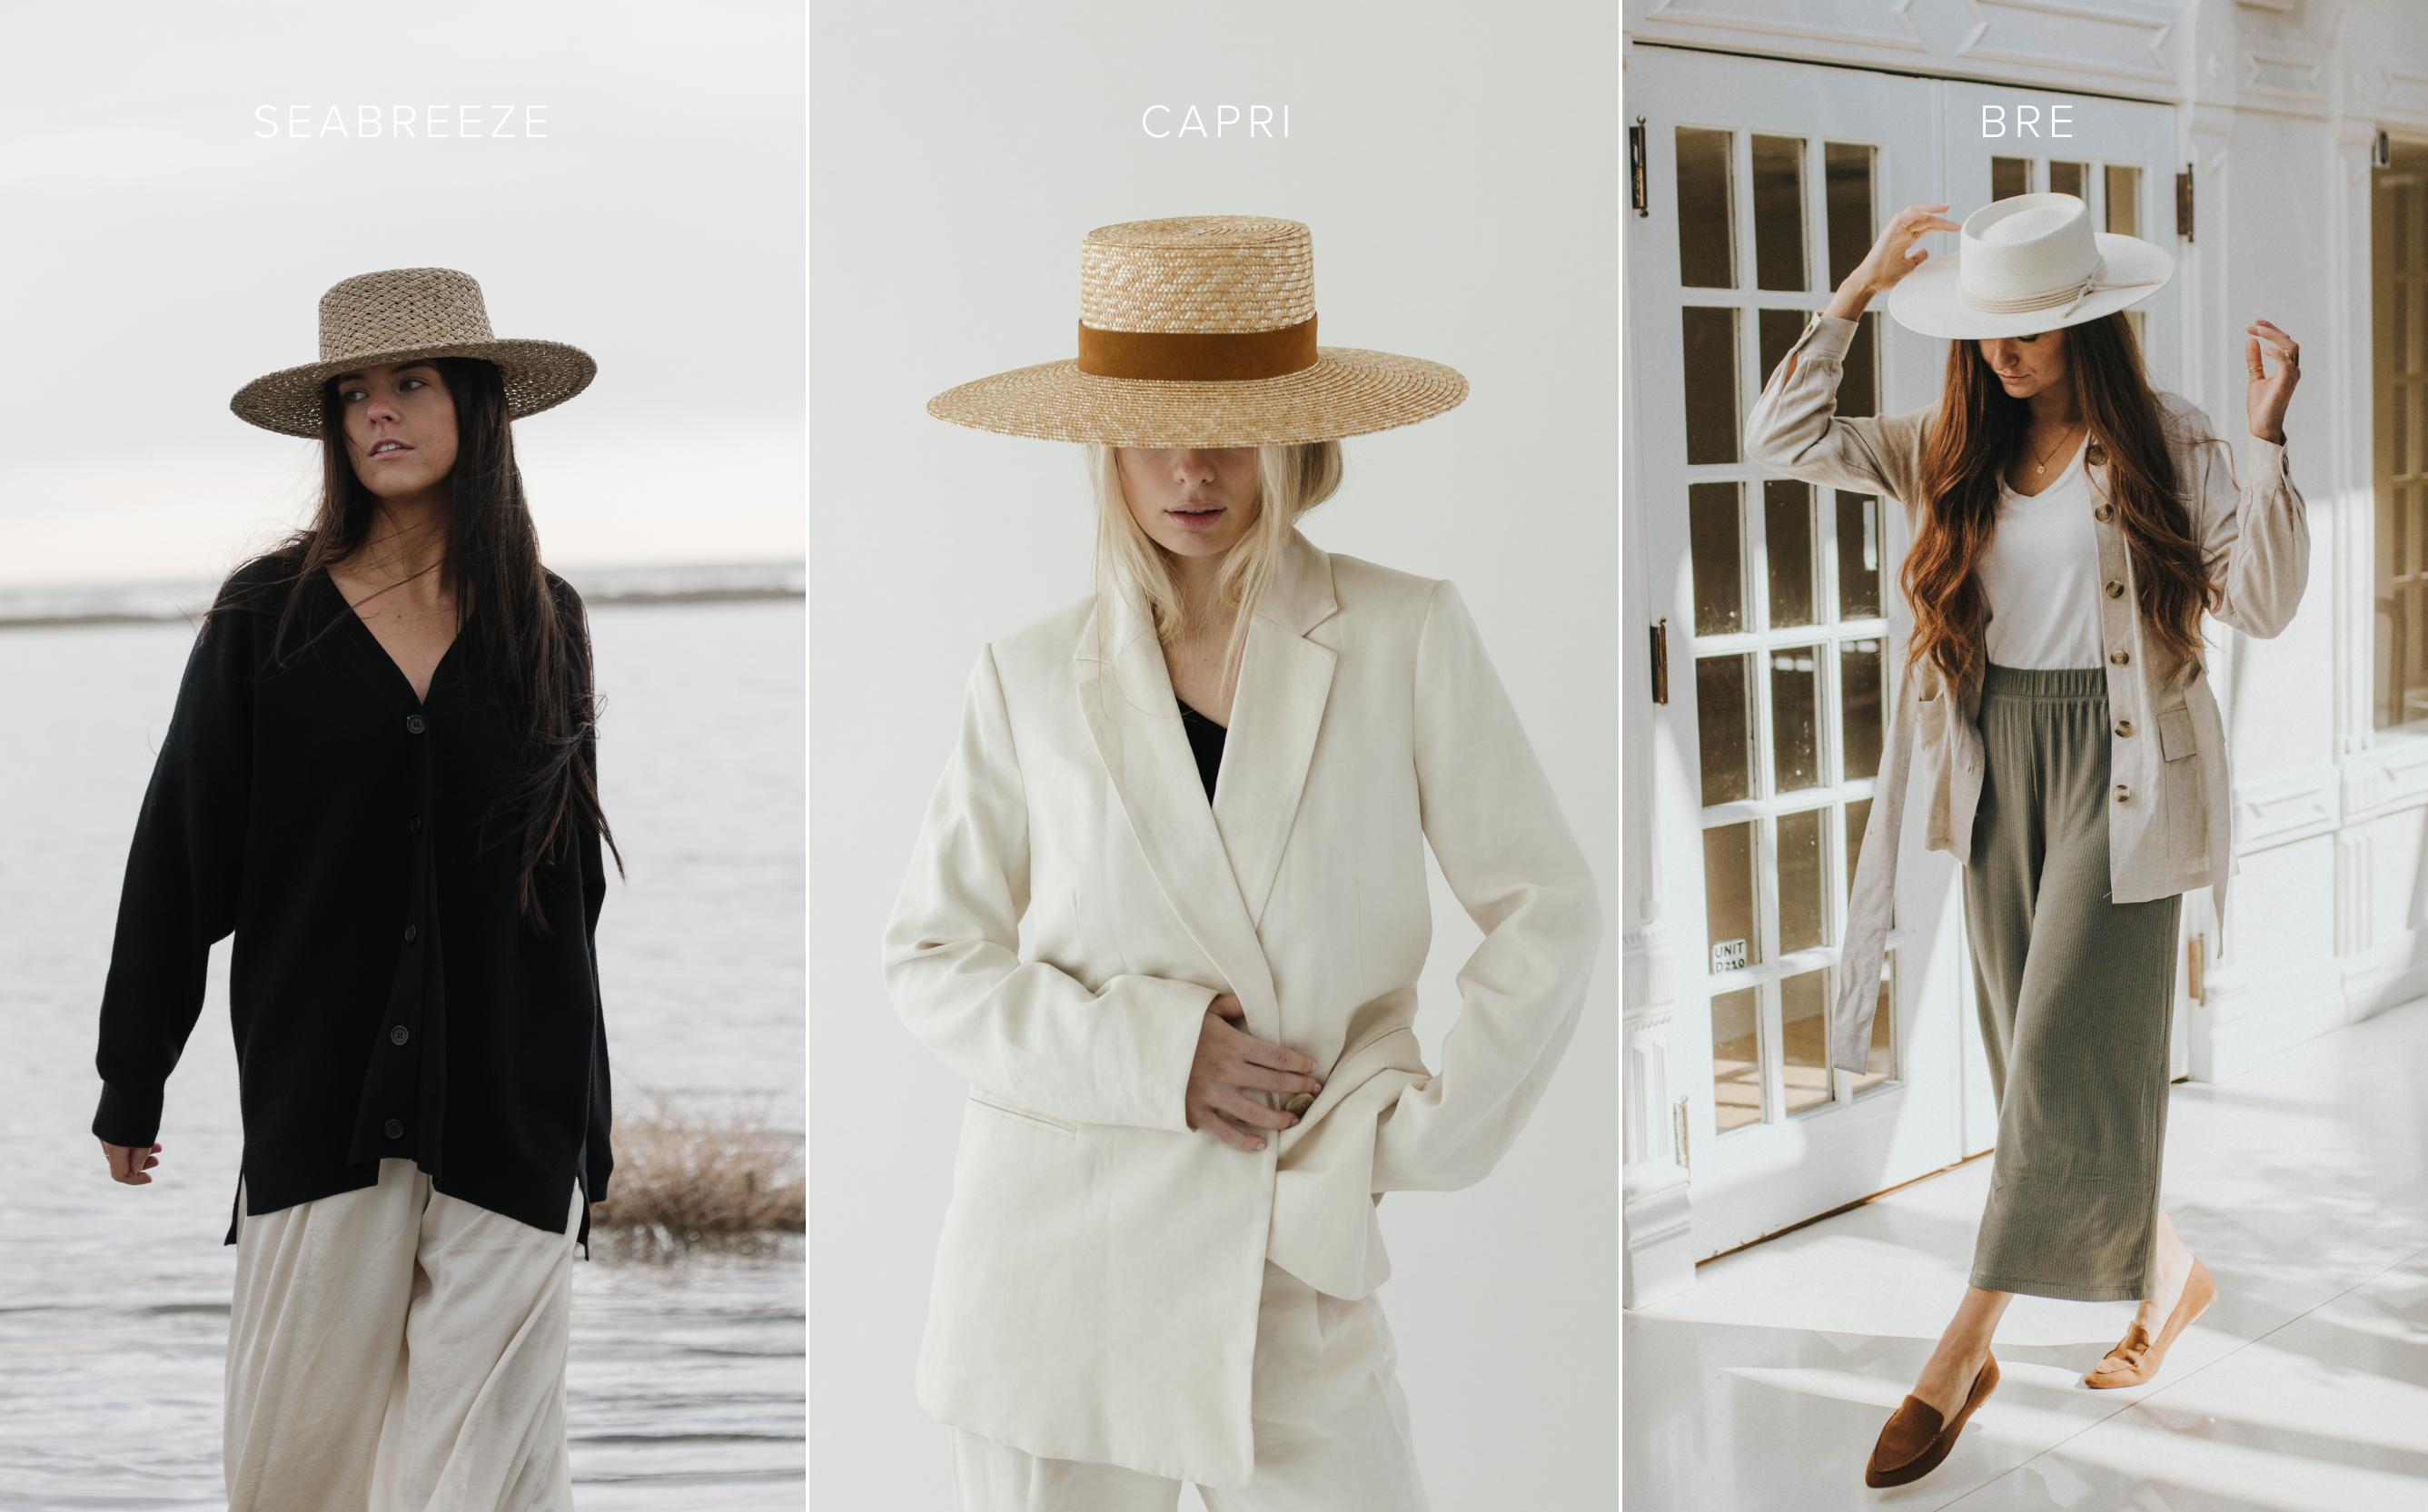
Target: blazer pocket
2176 736
1025 1116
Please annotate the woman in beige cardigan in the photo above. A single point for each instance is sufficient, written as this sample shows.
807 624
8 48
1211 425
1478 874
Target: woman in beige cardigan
1168 911
2070 525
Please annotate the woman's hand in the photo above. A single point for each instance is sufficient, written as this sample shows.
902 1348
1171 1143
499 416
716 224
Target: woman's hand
2271 392
127 1162
1887 262
1231 1063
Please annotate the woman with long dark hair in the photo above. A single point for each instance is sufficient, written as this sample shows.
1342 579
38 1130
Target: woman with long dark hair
2070 525
381 779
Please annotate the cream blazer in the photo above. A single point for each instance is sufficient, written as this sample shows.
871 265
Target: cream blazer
2170 819
1073 905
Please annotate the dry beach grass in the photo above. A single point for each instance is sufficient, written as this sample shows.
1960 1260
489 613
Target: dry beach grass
686 1178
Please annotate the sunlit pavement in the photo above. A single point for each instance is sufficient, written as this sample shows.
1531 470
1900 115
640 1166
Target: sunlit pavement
2301 1183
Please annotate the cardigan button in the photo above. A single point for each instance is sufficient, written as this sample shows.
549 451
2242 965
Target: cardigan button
2122 792
2115 589
2104 510
2124 727
398 1037
1297 1101
396 1129
414 723
411 933
413 825
2096 455
2120 657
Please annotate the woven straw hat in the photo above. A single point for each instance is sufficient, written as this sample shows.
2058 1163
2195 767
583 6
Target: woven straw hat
400 315
2025 263
1199 330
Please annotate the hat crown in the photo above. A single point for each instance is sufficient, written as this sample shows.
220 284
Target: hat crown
402 307
2025 245
1197 273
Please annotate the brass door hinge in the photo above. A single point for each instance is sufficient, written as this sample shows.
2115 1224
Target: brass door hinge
2195 966
1635 167
1661 661
2184 203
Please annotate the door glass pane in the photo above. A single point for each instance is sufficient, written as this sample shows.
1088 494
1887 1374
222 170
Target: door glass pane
1804 1038
1727 897
1775 331
2124 200
1706 224
1852 230
1787 531
1736 1060
1861 710
1802 881
1778 212
1716 526
1880 1065
1795 716
1859 391
1724 725
1859 556
1711 377
2010 176
2071 178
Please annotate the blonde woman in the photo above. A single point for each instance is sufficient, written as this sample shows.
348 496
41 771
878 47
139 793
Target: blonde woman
2072 526
1168 910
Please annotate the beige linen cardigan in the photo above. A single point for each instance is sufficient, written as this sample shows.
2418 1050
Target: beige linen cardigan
1074 904
2170 819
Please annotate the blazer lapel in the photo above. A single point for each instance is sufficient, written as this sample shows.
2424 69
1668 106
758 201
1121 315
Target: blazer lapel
1284 682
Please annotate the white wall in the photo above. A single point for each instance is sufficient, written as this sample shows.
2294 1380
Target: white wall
1459 167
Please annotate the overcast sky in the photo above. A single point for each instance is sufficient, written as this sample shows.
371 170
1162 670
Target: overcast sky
161 251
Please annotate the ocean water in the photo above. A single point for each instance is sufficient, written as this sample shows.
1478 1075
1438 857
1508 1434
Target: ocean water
684 1380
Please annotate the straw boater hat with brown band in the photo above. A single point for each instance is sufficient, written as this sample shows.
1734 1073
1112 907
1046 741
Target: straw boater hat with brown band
1199 330
398 315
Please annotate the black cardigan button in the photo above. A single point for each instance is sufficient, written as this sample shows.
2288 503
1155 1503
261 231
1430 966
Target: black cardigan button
398 1037
411 933
414 723
396 1129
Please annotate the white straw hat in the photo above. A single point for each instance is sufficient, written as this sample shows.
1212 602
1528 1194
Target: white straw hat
400 315
1199 330
2026 264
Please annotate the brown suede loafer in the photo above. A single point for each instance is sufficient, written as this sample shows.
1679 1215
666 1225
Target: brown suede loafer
2138 1357
1913 1440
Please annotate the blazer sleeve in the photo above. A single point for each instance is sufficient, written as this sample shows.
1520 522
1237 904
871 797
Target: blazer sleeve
2254 535
1025 1030
1507 852
184 872
1795 428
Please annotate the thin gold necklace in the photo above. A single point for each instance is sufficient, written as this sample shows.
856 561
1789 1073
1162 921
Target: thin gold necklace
2043 458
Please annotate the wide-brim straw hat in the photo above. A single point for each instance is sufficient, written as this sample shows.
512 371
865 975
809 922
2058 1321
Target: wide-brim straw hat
2026 264
401 314
1199 330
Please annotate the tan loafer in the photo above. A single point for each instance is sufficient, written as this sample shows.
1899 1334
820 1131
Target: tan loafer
1913 1440
2138 1357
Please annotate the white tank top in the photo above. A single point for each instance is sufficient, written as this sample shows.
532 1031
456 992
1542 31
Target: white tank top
2042 574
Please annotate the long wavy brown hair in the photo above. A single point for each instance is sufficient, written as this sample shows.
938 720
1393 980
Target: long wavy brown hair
536 640
1979 430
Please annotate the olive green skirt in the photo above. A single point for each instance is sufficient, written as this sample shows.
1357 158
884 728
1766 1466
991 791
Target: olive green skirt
2076 994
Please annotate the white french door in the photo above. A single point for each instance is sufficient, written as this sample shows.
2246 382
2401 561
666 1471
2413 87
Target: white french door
1767 181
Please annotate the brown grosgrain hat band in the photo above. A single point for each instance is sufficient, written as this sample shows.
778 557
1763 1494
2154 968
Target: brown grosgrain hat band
1197 356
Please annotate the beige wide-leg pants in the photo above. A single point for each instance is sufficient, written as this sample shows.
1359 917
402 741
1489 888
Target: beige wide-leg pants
1331 1429
395 1349
2077 999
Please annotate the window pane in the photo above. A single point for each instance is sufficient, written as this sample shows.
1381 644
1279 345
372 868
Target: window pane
1775 331
1706 226
1859 556
1711 377
1795 716
2071 178
1724 719
1852 220
1716 526
1803 881
1804 1038
1787 531
1727 898
1860 707
1778 212
2010 176
2124 200
1736 1060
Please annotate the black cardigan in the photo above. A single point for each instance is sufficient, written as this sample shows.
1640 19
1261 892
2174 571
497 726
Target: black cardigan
388 996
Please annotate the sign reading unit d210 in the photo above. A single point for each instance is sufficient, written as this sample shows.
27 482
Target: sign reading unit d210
2031 120
1229 120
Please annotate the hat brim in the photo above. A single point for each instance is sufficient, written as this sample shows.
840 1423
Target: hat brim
1347 392
538 375
1932 301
